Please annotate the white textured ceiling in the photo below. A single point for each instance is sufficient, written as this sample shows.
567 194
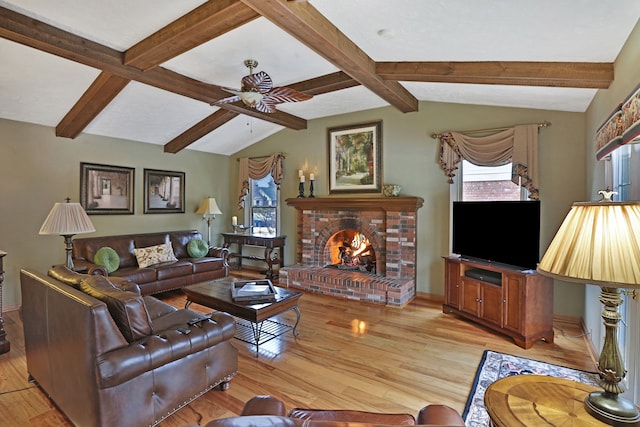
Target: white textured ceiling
41 88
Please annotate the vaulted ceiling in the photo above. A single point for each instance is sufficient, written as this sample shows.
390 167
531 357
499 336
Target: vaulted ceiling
149 70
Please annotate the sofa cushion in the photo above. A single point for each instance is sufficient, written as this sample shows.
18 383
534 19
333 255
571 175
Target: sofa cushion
168 270
108 258
127 309
154 254
136 274
197 248
66 276
201 265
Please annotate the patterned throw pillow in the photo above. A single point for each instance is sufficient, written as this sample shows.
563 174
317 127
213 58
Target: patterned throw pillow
154 254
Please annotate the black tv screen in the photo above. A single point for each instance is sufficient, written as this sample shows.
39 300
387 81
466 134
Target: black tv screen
504 232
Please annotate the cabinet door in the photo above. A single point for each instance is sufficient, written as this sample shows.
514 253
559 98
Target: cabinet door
491 303
452 284
513 284
469 296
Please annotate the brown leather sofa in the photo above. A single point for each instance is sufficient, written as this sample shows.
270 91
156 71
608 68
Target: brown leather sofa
111 357
156 278
267 411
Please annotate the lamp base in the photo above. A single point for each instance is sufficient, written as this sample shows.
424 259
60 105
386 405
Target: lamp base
612 409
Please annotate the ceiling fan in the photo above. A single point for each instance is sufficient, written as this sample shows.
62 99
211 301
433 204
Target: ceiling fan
257 91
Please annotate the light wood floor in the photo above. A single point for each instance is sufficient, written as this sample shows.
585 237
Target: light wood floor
347 355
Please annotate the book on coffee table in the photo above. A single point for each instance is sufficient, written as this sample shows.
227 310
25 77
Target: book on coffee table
253 291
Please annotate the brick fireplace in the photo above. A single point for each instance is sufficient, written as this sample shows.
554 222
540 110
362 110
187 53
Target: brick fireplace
389 224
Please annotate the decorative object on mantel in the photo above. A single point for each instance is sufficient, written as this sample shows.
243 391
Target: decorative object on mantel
5 345
598 244
301 185
518 145
66 220
355 158
312 179
391 190
209 209
621 127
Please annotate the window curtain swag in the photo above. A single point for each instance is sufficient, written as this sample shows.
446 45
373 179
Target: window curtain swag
518 145
256 169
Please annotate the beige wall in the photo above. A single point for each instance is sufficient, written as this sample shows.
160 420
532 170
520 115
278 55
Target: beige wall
38 169
410 159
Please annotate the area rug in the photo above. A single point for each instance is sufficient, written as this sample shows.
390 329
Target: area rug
494 366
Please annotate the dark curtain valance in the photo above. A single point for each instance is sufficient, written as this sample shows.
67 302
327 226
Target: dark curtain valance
257 169
518 145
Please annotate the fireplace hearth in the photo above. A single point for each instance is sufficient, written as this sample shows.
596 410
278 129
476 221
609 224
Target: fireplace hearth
369 243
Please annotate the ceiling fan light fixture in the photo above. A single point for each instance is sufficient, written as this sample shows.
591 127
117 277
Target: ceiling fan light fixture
257 91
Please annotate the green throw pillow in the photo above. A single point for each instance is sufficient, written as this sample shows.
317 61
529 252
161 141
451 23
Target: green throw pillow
197 248
108 258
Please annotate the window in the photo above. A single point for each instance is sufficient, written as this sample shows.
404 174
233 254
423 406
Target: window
624 176
264 202
480 183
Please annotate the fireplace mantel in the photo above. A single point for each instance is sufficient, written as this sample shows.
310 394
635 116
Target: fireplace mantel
403 203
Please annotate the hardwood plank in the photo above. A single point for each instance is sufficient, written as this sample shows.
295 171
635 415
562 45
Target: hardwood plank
403 360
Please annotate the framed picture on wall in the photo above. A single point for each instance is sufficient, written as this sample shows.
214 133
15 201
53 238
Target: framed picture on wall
355 158
163 191
106 190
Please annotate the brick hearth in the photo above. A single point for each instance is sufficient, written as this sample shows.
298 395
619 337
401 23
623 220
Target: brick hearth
390 223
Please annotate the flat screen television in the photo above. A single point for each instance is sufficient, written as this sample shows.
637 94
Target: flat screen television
504 232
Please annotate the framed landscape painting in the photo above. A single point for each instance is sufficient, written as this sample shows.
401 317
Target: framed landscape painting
163 191
106 190
355 158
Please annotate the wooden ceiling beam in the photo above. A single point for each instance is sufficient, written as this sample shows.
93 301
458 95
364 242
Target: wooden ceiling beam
47 38
199 130
305 23
101 92
202 24
325 84
594 75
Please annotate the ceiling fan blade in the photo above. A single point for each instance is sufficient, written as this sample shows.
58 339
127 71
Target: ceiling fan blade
260 82
264 106
227 100
285 94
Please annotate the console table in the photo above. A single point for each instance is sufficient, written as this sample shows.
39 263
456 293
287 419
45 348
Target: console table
269 243
5 346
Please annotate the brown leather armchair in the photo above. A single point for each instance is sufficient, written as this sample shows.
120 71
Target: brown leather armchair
269 411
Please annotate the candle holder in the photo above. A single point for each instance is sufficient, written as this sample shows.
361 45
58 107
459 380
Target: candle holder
301 190
311 188
235 228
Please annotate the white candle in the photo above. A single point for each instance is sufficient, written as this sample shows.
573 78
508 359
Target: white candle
311 177
300 173
301 178
234 220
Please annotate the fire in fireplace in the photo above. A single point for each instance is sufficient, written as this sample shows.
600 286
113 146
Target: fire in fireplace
351 250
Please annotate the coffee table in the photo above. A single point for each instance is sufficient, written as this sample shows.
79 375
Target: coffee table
254 325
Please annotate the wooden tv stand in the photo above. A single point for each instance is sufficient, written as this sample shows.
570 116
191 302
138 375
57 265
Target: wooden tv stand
512 302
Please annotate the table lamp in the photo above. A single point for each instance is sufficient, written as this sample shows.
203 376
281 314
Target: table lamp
208 209
598 243
67 219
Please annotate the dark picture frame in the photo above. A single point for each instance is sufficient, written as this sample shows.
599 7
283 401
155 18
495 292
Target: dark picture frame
355 158
106 189
163 191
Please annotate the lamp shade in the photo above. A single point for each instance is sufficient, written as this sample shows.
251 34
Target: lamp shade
598 243
67 219
209 207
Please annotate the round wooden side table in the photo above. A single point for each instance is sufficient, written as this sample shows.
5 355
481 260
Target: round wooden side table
535 400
